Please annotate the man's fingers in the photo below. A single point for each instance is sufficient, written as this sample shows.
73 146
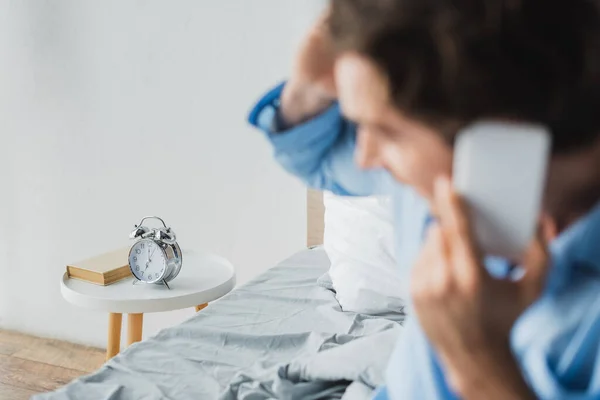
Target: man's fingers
437 247
433 278
433 250
536 263
322 22
452 211
457 228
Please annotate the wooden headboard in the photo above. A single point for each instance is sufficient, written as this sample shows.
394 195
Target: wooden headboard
316 218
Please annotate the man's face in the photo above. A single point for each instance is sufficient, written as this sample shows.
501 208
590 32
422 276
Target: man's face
413 153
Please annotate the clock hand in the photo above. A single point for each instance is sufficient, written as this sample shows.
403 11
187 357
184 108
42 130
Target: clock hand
150 258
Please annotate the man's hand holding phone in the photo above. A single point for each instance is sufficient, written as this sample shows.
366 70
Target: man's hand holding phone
466 313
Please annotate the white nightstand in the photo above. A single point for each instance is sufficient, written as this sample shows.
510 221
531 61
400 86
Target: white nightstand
203 278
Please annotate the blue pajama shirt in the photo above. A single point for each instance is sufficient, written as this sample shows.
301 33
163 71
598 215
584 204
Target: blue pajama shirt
556 342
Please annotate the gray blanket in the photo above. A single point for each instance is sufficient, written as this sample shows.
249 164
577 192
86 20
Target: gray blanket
282 336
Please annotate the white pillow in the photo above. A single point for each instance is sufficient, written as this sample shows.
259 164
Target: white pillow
359 240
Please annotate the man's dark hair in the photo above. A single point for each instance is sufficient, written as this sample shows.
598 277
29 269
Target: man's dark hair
452 62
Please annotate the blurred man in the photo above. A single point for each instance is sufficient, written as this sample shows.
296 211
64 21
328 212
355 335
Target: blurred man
379 91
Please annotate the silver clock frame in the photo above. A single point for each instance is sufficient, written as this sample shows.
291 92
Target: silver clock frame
165 240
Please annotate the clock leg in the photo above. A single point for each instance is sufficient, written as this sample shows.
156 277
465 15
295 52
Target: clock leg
134 328
114 335
202 307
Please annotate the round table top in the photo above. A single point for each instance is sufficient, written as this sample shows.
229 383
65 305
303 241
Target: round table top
203 278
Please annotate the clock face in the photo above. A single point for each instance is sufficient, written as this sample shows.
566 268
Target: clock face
147 261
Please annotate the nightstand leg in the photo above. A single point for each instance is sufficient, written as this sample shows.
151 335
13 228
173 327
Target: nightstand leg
202 307
134 328
114 335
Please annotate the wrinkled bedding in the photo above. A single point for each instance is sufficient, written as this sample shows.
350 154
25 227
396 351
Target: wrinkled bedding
281 336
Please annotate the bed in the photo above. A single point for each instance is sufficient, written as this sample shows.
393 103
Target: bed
283 335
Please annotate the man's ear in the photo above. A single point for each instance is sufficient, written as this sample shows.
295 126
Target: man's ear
549 227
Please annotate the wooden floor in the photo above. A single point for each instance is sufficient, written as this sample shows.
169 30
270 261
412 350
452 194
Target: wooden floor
29 365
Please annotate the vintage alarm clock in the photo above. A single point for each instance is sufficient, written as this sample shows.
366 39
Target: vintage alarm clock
155 257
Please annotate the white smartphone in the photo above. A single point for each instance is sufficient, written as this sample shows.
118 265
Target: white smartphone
500 169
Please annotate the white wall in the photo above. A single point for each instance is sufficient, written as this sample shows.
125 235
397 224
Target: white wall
112 110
